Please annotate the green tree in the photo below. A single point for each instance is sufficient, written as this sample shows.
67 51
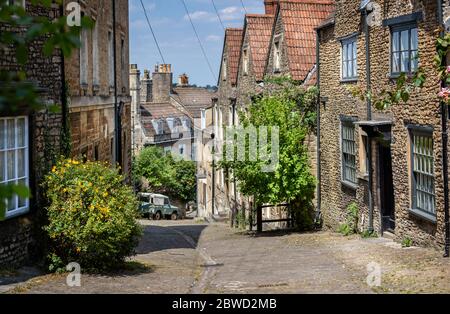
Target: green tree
166 174
290 108
18 32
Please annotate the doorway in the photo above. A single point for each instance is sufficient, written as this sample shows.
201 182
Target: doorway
386 187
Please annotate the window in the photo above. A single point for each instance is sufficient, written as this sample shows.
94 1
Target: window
110 59
203 122
348 152
14 167
95 56
230 116
171 123
158 126
224 69
422 161
404 49
167 149
277 56
349 59
245 64
84 61
182 149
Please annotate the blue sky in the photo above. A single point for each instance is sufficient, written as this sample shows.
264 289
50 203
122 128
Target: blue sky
176 37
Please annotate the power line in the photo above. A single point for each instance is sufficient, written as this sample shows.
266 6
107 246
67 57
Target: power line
153 33
199 41
218 15
243 6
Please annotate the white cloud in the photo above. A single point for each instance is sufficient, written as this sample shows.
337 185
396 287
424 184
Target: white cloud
213 38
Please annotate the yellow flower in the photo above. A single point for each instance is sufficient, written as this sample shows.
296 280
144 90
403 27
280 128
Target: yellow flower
78 250
90 184
105 194
54 169
92 207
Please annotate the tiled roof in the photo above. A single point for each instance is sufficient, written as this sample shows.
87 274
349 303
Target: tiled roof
300 18
194 99
259 29
151 112
233 39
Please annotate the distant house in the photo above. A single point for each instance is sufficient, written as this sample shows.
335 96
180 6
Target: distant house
388 162
164 115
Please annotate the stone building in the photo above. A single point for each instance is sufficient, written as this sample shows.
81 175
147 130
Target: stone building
30 140
98 86
292 49
166 115
387 162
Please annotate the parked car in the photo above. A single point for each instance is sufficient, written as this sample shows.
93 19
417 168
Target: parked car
157 207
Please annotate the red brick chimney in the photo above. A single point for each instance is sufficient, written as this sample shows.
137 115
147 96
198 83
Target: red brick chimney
271 6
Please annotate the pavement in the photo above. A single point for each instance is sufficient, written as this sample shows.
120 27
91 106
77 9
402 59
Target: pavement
187 256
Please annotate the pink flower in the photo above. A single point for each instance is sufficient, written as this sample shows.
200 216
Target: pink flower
448 69
445 93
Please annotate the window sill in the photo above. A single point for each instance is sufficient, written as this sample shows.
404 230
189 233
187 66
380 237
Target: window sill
363 176
276 71
424 215
15 213
349 80
394 76
349 185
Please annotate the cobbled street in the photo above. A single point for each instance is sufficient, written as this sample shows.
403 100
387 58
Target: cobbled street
193 257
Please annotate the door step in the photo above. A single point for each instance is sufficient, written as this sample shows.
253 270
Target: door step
389 235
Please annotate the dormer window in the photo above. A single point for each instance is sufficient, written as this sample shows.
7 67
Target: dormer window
245 63
276 56
224 69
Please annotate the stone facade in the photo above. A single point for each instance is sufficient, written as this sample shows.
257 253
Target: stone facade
422 109
90 75
18 243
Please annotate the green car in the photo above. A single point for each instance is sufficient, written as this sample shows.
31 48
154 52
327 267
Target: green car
157 206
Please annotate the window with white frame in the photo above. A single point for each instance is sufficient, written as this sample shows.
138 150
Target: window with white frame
404 49
349 59
422 162
224 69
14 167
171 124
277 55
348 149
84 59
203 119
230 116
245 62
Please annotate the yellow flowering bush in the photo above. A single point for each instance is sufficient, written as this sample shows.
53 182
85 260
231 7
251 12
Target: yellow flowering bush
91 216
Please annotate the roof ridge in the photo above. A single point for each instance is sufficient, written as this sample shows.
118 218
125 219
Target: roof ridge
259 15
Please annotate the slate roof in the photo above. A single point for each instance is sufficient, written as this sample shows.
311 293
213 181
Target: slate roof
193 99
233 40
300 18
259 30
151 112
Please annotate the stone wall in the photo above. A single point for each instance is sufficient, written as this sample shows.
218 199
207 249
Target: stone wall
278 34
421 109
18 243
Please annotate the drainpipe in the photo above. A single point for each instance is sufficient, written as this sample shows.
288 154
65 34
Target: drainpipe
117 119
213 178
369 117
64 104
234 177
318 157
444 113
